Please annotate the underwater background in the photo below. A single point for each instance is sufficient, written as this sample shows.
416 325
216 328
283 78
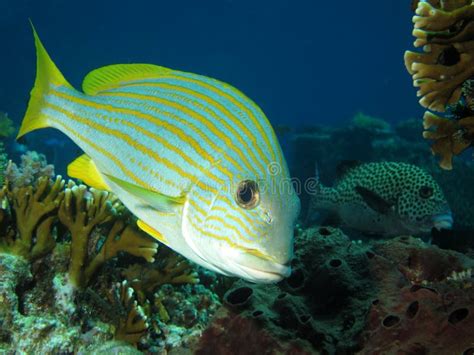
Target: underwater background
332 79
302 62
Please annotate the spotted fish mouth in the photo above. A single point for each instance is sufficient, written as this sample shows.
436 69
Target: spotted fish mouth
443 221
261 269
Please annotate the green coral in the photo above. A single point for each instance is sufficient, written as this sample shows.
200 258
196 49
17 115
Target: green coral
3 163
361 120
6 125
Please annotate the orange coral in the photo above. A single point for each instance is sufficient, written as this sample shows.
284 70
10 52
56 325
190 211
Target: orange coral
451 136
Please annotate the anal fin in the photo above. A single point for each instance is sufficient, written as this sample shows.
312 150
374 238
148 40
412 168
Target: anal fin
84 168
151 231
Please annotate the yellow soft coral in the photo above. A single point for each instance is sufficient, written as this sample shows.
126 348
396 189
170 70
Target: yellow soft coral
82 212
34 211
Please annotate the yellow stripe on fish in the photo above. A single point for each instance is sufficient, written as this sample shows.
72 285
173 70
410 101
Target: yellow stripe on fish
190 156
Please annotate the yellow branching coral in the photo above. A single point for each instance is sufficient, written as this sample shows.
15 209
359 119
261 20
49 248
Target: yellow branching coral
447 38
451 136
34 210
443 73
131 321
82 212
170 268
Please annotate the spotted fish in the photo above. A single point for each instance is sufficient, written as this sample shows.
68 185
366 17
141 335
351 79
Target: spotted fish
192 157
385 198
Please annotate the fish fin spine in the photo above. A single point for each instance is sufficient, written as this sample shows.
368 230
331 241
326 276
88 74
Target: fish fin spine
47 74
84 168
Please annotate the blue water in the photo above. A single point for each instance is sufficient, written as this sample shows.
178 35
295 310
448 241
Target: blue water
302 61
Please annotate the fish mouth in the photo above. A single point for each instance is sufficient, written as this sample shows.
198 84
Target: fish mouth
443 221
261 268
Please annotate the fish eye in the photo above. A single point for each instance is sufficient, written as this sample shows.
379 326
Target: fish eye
426 192
247 195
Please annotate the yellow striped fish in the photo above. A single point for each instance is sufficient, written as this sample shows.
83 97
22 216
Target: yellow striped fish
192 157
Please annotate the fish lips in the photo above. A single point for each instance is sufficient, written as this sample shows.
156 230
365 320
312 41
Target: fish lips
443 221
260 269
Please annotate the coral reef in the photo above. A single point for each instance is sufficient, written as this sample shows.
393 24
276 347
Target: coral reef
443 73
6 125
55 238
346 297
3 163
33 209
82 212
132 324
33 166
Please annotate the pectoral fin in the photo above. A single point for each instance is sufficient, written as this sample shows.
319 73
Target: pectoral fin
155 199
373 200
83 168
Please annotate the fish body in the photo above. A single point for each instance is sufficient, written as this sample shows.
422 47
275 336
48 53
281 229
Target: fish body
385 198
187 154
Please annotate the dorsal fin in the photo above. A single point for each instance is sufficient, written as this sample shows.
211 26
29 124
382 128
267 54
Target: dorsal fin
112 76
345 166
84 168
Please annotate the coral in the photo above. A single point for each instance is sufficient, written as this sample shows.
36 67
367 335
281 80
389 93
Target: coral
444 73
6 125
344 296
370 123
82 212
33 209
423 304
131 322
3 163
233 334
451 137
169 268
32 167
55 237
24 326
447 62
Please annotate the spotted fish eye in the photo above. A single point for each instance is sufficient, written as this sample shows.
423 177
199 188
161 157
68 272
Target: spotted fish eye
247 195
426 192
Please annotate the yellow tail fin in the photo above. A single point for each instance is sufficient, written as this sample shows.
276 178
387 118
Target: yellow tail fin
47 74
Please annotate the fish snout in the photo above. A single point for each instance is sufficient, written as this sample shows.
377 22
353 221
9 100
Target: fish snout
443 220
261 268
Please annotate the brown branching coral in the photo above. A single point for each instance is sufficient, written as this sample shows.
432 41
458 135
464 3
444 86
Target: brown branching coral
170 268
34 210
131 321
451 136
443 73
82 212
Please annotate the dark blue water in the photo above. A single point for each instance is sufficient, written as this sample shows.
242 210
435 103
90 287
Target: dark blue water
301 61
304 62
